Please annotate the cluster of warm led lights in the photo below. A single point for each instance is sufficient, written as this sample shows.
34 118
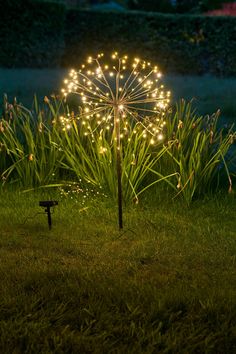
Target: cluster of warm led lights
122 90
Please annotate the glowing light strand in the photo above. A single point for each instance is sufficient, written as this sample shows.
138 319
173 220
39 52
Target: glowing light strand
101 88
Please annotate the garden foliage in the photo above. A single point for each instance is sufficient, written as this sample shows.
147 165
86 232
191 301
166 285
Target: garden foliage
149 5
37 150
199 151
29 148
179 43
178 6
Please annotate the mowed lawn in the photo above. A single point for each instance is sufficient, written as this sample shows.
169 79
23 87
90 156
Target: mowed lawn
166 283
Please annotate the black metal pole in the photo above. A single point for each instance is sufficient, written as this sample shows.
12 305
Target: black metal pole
118 167
48 210
119 184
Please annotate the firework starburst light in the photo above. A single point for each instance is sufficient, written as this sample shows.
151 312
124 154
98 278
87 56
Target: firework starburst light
116 94
122 89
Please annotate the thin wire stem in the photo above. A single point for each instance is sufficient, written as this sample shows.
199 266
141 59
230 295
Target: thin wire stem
118 165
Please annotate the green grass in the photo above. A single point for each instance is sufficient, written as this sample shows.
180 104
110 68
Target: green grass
166 284
209 93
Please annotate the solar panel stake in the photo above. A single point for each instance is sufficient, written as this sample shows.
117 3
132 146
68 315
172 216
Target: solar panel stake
47 204
48 210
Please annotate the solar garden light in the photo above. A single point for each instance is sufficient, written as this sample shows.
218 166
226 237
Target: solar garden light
117 92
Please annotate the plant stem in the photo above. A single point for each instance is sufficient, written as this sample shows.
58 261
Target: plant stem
118 165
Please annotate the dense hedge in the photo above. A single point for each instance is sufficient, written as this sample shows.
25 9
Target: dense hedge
31 33
34 34
179 43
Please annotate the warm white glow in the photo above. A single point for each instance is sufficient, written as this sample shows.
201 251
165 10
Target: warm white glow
130 85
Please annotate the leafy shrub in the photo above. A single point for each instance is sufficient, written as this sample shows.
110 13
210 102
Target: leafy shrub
179 43
207 5
31 33
183 44
149 5
183 6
